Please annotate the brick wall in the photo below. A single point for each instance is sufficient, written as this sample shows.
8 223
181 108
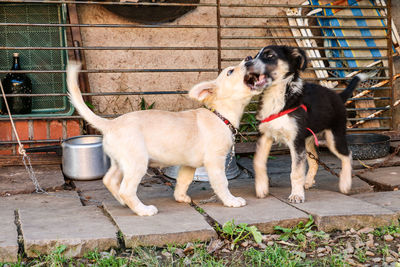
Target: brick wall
37 130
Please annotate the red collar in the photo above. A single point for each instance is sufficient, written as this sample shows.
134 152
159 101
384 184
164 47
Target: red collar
283 113
226 121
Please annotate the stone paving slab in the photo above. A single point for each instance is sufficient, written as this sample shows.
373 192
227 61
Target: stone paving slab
263 213
389 200
34 201
49 221
144 192
98 184
175 223
333 210
15 179
8 236
279 174
385 178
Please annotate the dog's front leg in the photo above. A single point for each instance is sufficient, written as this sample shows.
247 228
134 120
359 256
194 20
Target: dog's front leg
297 175
260 165
185 178
216 173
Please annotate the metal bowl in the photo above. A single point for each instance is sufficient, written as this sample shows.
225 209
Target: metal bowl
231 171
83 157
368 145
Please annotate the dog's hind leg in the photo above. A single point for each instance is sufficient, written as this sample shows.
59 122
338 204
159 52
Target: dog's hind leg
112 180
215 166
297 175
134 166
260 165
337 144
185 178
312 163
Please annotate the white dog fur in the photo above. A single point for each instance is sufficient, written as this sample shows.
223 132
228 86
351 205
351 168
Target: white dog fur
156 138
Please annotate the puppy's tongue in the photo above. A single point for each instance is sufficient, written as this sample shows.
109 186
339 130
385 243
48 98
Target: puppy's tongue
261 77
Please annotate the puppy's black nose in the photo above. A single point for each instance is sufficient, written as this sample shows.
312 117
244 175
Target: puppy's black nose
248 58
248 63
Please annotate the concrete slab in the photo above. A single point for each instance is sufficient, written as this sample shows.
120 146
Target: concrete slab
98 184
15 179
263 213
389 200
383 178
48 221
144 192
333 210
279 174
35 201
175 223
8 236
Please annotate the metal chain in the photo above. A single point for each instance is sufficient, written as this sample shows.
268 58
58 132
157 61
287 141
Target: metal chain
384 163
321 163
27 160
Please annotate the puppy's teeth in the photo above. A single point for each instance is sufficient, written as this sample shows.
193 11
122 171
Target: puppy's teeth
262 76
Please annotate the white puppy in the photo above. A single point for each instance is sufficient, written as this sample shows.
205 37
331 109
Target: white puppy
156 138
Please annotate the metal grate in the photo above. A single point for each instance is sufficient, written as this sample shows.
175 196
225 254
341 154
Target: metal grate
241 29
28 36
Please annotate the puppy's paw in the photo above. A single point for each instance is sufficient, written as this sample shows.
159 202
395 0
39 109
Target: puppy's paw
262 190
182 198
144 210
296 198
309 184
235 202
345 187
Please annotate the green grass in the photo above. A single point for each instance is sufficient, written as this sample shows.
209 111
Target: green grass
275 256
384 230
237 233
298 233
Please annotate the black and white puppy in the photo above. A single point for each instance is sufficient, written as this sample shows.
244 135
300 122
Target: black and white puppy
276 69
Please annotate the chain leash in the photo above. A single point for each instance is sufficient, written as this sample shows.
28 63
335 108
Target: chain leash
384 163
27 160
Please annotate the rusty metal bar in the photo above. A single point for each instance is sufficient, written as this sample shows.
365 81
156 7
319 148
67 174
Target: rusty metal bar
320 58
103 3
105 48
312 48
104 94
194 26
111 71
302 37
161 26
390 59
165 93
367 109
301 27
171 48
297 17
219 35
187 4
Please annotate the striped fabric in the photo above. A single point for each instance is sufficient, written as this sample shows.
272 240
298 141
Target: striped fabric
342 42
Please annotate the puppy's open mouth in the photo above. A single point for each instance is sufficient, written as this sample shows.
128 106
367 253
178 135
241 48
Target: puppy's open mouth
255 81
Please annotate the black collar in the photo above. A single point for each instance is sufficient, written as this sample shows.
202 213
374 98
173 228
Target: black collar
226 121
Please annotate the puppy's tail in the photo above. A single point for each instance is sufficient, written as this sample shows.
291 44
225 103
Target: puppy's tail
76 99
352 85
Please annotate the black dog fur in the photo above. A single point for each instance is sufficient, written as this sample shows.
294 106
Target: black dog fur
277 66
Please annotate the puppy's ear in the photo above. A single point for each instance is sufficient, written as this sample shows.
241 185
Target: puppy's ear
299 57
202 90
